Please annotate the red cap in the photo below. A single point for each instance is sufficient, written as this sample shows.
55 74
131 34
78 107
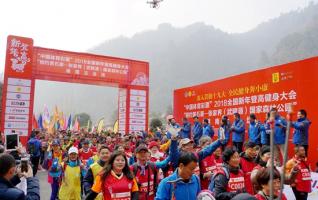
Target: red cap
153 144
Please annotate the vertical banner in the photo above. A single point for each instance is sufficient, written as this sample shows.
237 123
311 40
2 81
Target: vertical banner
137 110
122 110
18 88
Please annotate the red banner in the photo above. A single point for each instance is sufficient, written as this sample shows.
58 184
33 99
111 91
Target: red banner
293 84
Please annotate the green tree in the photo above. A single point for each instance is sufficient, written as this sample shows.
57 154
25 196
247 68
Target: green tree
83 119
154 123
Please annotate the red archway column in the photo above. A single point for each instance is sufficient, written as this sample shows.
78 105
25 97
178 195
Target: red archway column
18 88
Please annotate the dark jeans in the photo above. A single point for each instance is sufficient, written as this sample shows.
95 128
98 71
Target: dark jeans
300 195
238 146
35 164
55 189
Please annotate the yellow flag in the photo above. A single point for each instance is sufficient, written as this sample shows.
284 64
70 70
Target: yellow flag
100 125
116 127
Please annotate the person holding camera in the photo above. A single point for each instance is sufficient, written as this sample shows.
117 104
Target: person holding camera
8 180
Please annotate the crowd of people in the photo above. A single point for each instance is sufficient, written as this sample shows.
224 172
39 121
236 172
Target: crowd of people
187 161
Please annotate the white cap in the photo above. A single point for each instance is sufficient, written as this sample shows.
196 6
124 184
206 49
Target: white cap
73 150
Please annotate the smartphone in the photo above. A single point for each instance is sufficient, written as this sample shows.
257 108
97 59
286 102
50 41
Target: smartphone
24 165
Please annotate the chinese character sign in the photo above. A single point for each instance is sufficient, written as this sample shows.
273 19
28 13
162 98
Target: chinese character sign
290 85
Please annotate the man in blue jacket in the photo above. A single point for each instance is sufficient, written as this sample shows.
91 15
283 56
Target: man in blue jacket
207 129
186 129
7 189
182 184
238 132
34 147
301 129
196 130
280 125
254 130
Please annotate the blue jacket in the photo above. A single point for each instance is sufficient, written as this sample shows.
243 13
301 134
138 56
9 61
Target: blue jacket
186 130
35 146
197 132
254 132
226 133
180 189
301 128
208 131
238 131
265 134
9 192
158 135
207 151
280 132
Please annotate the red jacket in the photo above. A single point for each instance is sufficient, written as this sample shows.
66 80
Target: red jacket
261 197
247 167
303 177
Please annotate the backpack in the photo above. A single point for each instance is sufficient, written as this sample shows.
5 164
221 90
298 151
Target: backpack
223 171
32 148
155 174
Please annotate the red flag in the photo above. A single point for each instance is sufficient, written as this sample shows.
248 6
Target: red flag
34 122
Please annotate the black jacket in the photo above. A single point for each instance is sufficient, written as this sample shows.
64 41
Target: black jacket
88 180
9 192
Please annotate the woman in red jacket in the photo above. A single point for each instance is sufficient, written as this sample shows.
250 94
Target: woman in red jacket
263 184
116 181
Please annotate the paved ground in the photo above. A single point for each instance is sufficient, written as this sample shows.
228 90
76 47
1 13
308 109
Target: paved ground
45 187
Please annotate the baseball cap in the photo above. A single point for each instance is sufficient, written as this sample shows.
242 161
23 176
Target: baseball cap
184 141
73 150
153 144
141 148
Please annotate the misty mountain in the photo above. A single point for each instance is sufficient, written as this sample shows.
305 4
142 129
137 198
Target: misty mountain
199 53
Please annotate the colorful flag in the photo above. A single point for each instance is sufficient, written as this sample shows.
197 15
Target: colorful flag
76 126
88 125
65 123
116 127
69 122
100 125
34 122
46 115
40 122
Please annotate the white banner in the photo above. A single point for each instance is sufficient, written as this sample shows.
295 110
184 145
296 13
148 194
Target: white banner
137 110
138 104
22 132
122 116
314 187
18 96
137 98
136 128
137 122
17 118
138 92
19 89
17 103
137 116
122 104
19 82
13 110
16 125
